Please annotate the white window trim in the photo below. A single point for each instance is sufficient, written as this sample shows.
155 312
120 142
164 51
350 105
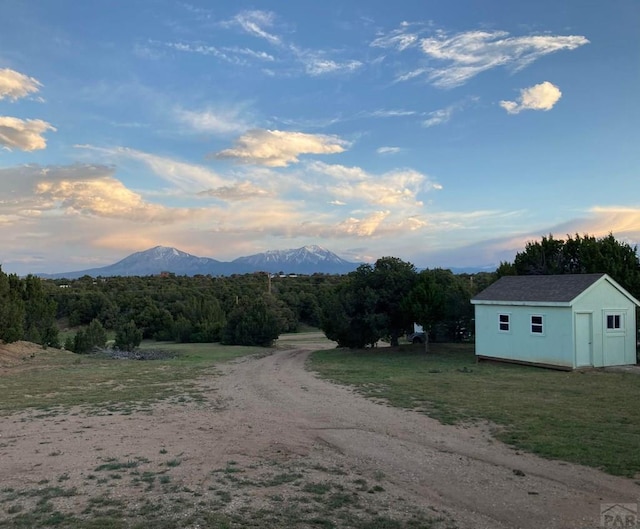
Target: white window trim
621 314
509 322
541 324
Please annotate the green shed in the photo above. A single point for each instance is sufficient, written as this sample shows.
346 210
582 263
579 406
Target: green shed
562 321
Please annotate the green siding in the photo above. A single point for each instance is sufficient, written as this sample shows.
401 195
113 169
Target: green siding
559 342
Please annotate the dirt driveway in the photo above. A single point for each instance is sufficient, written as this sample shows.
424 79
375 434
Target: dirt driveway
268 418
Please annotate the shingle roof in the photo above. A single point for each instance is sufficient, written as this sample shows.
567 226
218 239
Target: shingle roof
540 288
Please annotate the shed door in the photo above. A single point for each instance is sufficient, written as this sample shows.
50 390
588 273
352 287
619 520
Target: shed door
583 339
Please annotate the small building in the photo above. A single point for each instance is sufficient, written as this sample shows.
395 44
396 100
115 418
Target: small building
562 321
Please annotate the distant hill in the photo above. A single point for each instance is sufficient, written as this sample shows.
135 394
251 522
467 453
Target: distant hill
305 260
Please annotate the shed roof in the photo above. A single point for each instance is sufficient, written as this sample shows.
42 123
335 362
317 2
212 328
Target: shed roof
540 288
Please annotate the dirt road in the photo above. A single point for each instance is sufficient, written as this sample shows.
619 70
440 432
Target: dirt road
271 411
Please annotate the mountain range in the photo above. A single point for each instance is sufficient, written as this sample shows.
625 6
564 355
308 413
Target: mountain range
306 260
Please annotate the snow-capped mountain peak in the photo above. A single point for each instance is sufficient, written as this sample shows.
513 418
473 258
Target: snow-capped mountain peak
306 260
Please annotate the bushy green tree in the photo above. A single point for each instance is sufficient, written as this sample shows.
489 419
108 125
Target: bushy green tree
81 343
12 310
254 321
88 339
393 279
96 334
40 314
369 304
128 336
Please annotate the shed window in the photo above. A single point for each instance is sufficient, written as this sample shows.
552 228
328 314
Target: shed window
537 324
615 322
504 322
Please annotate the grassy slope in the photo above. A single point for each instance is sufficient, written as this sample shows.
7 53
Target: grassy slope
592 418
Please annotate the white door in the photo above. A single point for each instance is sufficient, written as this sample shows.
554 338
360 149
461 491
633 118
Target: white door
584 339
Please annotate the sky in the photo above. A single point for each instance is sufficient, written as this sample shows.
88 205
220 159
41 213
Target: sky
447 133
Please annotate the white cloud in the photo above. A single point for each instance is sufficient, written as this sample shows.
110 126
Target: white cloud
363 227
439 117
390 113
466 54
470 53
398 39
199 48
226 120
324 66
388 150
231 54
15 85
259 23
542 96
260 55
275 148
81 189
398 189
26 135
256 22
317 62
105 197
411 75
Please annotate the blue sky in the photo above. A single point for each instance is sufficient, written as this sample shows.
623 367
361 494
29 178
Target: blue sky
446 133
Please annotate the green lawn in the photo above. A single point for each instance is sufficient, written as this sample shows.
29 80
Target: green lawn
592 418
60 379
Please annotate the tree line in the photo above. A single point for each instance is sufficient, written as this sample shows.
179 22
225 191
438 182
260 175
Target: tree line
377 301
577 254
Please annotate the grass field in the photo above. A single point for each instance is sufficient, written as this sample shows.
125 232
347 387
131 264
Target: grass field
57 379
592 417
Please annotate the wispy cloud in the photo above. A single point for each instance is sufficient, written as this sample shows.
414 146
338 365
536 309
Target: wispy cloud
316 66
444 115
438 117
473 52
239 56
456 58
258 23
226 120
315 62
388 150
542 96
406 36
25 135
15 85
390 113
275 148
237 192
188 177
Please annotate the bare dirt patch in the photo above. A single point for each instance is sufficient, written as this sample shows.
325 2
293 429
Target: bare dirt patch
274 444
